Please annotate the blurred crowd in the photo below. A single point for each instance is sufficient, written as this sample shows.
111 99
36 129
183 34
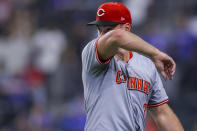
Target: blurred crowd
40 58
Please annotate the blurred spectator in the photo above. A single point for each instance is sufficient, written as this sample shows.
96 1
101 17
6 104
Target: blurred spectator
64 4
60 5
20 122
40 119
195 126
183 39
68 81
15 47
156 36
138 14
5 11
80 33
73 117
192 25
35 80
49 43
21 4
15 97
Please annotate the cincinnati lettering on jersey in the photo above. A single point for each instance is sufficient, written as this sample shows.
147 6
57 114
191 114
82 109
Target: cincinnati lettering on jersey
133 83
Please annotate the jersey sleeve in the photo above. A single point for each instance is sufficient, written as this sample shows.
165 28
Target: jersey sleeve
158 95
90 58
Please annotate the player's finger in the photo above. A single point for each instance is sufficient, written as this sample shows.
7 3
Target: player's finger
170 75
167 71
171 78
173 68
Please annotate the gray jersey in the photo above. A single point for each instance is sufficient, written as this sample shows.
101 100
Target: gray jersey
117 93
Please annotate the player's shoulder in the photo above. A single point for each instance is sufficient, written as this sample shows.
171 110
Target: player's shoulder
88 46
90 43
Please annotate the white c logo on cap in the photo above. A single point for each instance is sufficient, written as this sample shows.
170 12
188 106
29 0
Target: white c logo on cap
100 12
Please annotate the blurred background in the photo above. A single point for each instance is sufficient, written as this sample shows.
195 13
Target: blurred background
40 59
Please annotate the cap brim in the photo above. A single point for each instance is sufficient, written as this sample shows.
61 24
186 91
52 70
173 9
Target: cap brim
103 23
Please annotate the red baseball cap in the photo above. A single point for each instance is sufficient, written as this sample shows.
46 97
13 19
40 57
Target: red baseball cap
112 13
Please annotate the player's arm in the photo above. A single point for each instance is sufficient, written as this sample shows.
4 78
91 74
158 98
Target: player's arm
165 118
110 44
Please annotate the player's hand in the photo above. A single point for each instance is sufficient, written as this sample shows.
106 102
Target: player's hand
164 64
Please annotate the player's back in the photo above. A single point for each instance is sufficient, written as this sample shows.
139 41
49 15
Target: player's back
117 93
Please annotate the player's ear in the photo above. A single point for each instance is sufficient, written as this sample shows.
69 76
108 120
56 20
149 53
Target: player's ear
127 27
98 30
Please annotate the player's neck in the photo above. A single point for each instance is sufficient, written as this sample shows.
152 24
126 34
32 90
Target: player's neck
123 55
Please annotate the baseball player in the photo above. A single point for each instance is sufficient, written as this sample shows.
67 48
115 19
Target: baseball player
120 78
